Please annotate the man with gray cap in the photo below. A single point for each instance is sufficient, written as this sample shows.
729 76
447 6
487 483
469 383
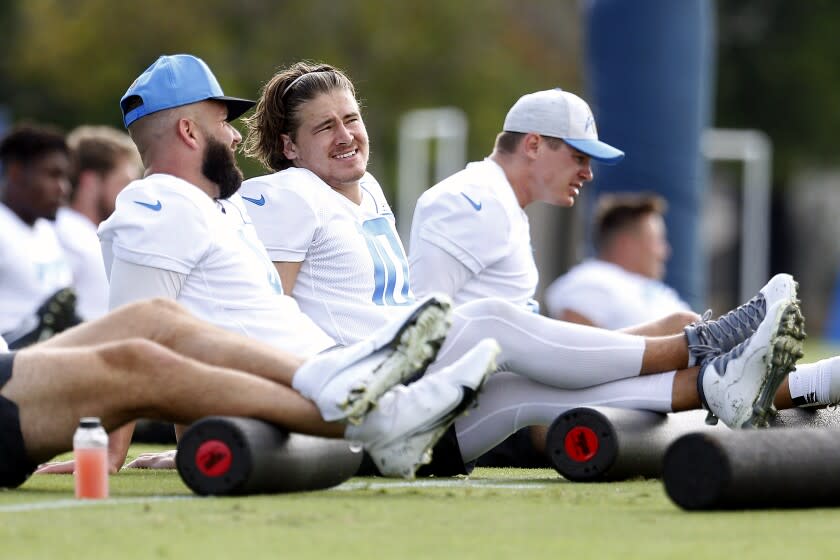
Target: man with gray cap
175 234
470 237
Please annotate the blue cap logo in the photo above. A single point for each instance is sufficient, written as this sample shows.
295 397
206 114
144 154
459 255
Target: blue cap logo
173 81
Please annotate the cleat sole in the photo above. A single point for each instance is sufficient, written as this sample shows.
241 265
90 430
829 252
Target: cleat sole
413 348
785 350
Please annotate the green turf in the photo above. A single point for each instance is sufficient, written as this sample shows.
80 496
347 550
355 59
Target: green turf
495 513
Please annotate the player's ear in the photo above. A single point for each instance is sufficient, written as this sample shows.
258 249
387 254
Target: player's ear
14 172
188 131
289 148
531 144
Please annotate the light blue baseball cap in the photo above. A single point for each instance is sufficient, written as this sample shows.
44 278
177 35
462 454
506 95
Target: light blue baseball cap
173 81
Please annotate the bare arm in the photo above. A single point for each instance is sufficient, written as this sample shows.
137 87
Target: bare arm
574 317
668 325
288 272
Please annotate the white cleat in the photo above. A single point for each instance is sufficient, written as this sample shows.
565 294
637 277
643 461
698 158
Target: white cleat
368 369
709 338
738 387
400 433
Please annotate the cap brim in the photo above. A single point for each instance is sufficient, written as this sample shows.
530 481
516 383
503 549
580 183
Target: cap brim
597 150
236 107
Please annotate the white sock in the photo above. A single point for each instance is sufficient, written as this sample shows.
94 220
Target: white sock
817 383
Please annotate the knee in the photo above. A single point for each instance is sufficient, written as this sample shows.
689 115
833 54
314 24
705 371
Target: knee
157 307
137 356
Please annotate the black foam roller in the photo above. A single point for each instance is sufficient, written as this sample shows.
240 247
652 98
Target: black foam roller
221 455
589 444
745 469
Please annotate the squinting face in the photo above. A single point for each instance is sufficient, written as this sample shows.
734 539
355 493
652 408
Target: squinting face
653 247
559 175
331 140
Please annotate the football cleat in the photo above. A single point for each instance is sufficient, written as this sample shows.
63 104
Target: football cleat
365 371
710 338
56 314
408 421
738 387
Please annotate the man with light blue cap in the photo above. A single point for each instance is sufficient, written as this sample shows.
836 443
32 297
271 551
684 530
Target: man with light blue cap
182 233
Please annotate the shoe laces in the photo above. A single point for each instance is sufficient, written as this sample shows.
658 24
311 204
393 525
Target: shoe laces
722 360
718 336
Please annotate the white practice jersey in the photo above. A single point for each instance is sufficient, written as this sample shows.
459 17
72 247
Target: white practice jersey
610 296
474 217
32 267
354 272
77 235
164 222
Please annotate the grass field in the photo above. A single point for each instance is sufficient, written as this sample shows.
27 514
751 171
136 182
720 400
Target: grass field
495 513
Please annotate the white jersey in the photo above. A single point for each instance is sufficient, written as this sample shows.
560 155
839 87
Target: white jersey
165 222
610 296
354 272
474 217
77 235
32 267
4 348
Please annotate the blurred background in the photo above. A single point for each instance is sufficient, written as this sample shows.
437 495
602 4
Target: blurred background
728 108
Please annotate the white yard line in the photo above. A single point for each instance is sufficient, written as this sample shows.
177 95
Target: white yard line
443 483
72 503
346 487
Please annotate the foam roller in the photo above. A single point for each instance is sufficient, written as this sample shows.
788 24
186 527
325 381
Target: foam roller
784 467
222 455
589 444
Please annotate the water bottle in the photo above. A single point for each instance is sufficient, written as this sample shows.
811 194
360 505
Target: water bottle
90 453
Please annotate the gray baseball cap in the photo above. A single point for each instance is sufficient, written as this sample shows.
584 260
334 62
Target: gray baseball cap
562 115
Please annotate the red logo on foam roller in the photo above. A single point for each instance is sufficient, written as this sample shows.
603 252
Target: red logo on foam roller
213 458
581 444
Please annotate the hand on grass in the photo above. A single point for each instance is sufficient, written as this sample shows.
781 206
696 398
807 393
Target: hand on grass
58 467
162 460
64 467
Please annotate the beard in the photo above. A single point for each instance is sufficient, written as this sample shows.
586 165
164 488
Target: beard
219 166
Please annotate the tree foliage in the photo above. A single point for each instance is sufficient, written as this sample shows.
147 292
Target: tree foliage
69 61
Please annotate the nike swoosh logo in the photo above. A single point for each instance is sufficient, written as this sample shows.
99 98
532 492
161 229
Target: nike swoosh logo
474 204
156 206
258 201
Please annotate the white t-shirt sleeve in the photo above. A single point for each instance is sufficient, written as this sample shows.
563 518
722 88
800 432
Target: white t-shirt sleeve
132 282
588 300
435 270
472 229
285 222
175 236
